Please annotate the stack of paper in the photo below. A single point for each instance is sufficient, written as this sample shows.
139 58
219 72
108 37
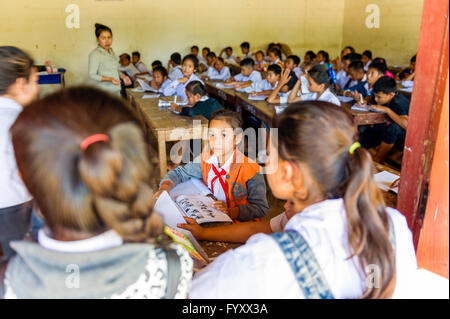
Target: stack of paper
221 85
356 107
280 108
151 96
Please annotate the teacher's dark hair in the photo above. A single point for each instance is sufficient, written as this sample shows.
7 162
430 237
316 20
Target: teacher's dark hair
99 28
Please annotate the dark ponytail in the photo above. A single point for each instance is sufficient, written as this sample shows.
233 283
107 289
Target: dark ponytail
196 87
14 64
99 28
319 73
319 135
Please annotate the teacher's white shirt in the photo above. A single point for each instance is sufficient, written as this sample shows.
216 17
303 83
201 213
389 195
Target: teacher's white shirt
12 190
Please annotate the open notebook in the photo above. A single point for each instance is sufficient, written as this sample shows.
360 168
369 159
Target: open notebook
182 201
384 181
145 86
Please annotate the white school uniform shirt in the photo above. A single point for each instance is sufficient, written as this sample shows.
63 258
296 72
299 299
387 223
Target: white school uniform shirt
223 75
326 96
129 70
255 76
175 73
12 189
298 72
219 193
164 85
179 89
305 84
263 85
259 270
366 67
141 67
342 78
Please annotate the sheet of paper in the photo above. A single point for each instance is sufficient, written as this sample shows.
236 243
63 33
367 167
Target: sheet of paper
257 98
356 107
221 85
151 96
407 90
345 99
384 181
162 103
138 89
145 86
280 108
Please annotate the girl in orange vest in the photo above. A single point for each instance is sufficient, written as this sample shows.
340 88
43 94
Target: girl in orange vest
233 178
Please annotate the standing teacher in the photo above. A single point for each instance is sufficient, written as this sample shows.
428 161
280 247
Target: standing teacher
104 64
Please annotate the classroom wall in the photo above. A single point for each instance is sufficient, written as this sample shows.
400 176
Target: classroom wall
396 38
157 28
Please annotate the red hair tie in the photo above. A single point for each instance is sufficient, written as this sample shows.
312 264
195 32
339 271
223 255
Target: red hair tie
92 139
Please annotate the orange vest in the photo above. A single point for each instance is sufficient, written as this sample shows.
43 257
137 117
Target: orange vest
242 169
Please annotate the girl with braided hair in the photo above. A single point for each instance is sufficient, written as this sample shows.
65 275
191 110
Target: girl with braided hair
82 156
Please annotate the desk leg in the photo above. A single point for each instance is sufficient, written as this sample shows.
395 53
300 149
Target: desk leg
162 154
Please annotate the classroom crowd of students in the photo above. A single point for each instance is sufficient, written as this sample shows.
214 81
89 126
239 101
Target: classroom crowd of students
79 155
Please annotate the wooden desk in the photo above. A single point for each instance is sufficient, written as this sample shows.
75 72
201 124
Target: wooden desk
166 125
365 118
404 93
263 110
226 96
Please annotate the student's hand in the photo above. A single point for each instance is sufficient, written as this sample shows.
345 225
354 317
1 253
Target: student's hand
222 206
348 93
126 81
153 84
395 183
285 77
255 93
162 188
183 80
115 81
193 227
379 108
174 106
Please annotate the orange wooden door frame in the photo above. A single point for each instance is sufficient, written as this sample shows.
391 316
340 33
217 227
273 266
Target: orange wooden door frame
425 113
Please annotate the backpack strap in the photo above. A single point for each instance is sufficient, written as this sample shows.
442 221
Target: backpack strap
304 265
173 273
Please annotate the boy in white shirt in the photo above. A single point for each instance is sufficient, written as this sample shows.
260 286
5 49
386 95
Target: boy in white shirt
292 63
247 76
136 59
229 57
220 72
127 67
174 66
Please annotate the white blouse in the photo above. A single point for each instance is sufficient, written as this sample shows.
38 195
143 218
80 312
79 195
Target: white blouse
259 268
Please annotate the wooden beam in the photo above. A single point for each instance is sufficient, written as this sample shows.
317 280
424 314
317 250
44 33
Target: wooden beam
425 113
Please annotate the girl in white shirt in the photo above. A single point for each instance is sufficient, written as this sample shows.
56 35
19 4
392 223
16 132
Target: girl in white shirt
178 86
319 83
342 228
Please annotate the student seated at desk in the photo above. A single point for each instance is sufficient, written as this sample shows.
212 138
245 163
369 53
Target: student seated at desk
323 58
136 59
366 59
247 76
160 79
383 60
227 55
155 64
127 67
260 63
319 83
198 102
211 71
245 48
292 63
396 106
266 86
343 78
97 208
285 84
174 66
219 72
178 86
358 76
376 70
275 57
408 73
233 178
308 59
339 227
